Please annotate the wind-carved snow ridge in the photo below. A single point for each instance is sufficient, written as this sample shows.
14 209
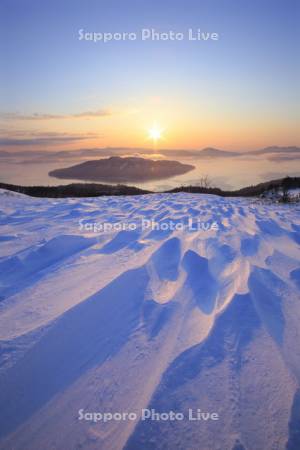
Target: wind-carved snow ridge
161 318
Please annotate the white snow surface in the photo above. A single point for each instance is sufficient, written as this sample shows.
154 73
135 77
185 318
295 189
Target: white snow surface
118 321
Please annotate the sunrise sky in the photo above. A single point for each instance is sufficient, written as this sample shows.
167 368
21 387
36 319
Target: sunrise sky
240 92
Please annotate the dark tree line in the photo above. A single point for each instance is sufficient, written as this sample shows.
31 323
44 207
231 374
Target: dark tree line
97 190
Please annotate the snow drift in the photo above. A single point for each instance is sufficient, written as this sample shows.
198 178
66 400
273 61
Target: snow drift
149 318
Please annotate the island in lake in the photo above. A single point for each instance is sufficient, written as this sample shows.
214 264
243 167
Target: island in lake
117 169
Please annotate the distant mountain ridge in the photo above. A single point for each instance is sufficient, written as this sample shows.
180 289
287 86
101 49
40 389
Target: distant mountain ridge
216 153
40 156
274 149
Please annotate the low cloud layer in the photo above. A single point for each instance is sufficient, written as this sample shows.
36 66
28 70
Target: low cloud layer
37 116
281 153
4 142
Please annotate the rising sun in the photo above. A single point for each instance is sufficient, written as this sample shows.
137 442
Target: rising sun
155 133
